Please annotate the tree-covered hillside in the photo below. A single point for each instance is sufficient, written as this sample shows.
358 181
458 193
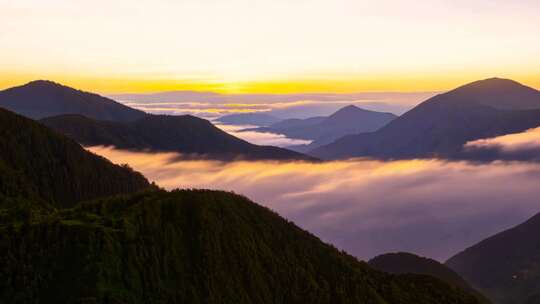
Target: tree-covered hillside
36 162
191 246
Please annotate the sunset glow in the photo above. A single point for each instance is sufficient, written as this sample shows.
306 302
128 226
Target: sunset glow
240 46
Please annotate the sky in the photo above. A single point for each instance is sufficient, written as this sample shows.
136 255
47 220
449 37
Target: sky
431 207
268 46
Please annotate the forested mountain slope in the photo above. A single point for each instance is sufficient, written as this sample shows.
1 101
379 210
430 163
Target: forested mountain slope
191 247
37 162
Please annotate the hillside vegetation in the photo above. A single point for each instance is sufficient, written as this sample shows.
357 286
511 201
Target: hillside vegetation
191 247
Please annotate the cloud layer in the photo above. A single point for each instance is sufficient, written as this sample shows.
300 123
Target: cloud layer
209 105
429 207
528 140
260 138
524 146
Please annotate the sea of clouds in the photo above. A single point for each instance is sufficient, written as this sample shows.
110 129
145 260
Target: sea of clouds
431 207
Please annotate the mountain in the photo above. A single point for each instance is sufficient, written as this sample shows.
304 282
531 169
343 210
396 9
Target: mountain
506 266
94 120
256 119
154 246
441 125
324 130
37 163
41 98
191 246
403 263
184 134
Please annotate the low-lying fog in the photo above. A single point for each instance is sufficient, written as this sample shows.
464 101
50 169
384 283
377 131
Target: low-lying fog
259 138
430 207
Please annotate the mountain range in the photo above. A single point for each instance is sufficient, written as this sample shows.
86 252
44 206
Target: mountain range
145 245
94 120
440 126
506 266
324 130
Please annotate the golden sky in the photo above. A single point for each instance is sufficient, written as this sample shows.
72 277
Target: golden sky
263 46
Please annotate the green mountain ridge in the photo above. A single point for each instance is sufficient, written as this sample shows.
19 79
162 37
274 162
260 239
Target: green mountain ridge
191 246
38 163
145 245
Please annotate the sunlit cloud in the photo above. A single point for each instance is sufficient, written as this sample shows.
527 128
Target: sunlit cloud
430 207
259 138
524 146
528 140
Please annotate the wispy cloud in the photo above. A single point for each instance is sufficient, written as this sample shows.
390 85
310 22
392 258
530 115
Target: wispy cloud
431 207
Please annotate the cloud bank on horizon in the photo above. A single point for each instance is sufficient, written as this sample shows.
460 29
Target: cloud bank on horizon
430 207
211 105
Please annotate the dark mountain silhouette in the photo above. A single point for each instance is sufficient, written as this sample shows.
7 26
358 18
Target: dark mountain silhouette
38 163
94 120
503 94
403 263
506 266
256 119
347 120
189 246
184 134
39 99
441 125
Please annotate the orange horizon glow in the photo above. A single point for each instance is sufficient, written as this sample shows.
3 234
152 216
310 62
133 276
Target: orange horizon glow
279 46
339 85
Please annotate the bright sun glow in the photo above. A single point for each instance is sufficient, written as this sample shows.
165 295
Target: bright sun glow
280 46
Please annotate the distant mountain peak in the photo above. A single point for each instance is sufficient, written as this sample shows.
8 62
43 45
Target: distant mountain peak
44 98
43 82
351 112
442 124
491 84
349 108
499 93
